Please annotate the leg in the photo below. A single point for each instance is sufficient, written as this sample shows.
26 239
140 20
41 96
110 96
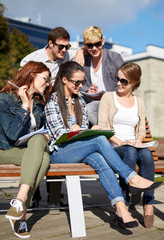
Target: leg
75 151
34 161
128 155
146 169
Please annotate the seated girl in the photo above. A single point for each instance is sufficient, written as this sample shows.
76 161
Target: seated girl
21 112
124 113
65 112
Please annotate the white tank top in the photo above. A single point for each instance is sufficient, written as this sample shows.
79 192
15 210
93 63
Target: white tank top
125 120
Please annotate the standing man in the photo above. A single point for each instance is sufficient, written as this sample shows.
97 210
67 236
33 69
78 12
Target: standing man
56 52
100 67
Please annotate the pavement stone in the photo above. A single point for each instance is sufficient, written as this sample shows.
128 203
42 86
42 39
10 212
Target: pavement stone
98 212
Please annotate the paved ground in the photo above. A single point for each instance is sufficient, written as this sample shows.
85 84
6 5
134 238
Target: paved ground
98 217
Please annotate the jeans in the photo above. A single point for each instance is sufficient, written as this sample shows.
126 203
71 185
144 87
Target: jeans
144 159
97 152
33 159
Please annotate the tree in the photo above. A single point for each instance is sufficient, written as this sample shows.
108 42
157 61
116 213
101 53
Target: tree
14 45
4 28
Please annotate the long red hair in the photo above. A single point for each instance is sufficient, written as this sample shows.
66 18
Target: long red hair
26 76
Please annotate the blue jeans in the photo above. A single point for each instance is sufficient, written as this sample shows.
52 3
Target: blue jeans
144 159
98 153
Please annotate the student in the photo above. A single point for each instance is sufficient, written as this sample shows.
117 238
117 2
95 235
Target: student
66 111
21 112
52 55
56 52
124 113
100 68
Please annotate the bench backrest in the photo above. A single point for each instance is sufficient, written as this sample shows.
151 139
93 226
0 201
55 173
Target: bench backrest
148 138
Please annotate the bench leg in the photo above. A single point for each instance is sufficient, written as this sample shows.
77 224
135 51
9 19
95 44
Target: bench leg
75 206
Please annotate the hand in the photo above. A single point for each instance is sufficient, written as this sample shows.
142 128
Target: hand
23 95
96 127
127 142
138 143
47 137
93 89
75 127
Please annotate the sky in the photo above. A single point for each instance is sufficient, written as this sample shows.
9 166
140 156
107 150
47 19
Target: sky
131 23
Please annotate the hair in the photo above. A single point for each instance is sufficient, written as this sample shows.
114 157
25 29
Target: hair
66 70
58 32
26 76
133 73
92 34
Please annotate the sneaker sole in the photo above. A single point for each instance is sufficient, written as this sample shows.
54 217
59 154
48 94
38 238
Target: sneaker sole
12 226
13 218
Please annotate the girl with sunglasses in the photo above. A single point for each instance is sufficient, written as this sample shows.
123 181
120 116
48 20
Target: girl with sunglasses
65 112
124 113
21 112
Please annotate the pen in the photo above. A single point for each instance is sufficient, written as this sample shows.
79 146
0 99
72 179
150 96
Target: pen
13 84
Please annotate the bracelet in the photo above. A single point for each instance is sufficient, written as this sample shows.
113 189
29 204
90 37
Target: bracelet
26 106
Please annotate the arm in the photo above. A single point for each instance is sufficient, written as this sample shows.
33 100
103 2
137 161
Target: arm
54 120
14 120
79 57
103 113
140 129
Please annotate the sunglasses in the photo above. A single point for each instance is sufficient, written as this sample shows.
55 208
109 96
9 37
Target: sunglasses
46 79
61 46
123 81
91 45
77 83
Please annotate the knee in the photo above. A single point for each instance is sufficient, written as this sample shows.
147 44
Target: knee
46 160
38 139
132 153
147 156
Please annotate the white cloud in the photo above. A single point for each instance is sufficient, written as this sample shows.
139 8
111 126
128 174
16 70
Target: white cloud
75 15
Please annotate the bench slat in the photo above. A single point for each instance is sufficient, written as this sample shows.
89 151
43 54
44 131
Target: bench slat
65 169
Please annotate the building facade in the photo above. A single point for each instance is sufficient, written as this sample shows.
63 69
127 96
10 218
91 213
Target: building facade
37 35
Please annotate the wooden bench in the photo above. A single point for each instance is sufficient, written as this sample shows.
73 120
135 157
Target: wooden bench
72 173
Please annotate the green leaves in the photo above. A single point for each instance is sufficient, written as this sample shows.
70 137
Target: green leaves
14 46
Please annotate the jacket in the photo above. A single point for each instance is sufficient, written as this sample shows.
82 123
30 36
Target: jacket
15 121
111 62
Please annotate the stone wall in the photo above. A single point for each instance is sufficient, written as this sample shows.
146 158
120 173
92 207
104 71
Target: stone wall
152 91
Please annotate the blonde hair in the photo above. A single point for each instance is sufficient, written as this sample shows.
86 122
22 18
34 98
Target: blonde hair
92 34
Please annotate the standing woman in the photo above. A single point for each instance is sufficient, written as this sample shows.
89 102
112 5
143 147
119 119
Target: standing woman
21 112
124 113
67 111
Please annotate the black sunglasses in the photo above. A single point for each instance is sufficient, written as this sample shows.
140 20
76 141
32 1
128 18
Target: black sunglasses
77 83
123 81
91 45
61 46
